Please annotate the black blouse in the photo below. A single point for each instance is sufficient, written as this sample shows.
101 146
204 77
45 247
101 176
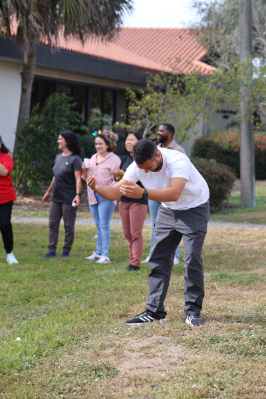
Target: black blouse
126 161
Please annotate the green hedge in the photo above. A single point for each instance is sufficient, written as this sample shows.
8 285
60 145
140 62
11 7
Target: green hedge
220 179
225 149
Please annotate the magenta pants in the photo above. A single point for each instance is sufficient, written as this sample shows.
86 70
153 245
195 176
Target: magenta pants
133 216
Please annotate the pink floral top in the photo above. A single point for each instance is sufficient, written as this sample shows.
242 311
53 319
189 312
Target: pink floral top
102 172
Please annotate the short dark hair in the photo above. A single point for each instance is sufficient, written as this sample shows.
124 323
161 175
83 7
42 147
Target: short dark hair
137 134
143 150
170 128
3 147
71 141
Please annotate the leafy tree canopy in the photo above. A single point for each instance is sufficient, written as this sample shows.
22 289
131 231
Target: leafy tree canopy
218 30
186 101
43 18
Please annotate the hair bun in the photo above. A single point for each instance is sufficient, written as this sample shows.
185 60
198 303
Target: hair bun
111 135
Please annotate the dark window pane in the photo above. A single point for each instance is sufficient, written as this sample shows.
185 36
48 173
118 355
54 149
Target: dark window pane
96 98
34 99
65 88
80 99
46 88
108 103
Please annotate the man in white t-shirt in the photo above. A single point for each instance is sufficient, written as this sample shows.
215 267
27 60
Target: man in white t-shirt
169 177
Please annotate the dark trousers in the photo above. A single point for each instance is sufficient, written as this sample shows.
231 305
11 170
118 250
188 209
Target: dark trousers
57 210
6 226
170 227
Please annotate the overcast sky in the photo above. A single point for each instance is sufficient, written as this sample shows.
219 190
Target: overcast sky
161 14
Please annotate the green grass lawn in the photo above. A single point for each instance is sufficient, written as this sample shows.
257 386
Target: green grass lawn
45 214
242 215
70 317
236 214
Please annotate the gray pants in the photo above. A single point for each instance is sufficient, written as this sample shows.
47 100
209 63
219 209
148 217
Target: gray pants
170 227
57 210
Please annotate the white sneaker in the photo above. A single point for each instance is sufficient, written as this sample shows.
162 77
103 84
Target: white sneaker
176 261
103 259
146 260
11 258
93 256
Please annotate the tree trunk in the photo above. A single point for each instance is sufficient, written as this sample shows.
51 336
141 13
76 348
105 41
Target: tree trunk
29 63
247 152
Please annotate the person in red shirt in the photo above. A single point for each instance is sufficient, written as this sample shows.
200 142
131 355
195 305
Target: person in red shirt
7 196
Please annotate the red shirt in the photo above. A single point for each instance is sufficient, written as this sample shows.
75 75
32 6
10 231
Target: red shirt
7 192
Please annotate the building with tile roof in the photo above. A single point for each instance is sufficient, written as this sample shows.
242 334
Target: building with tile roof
150 48
96 74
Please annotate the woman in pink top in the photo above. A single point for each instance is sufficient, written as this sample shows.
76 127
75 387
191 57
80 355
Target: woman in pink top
101 165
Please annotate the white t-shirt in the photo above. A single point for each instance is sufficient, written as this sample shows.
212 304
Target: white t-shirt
175 164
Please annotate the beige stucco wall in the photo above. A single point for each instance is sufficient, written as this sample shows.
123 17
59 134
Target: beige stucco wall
10 88
197 131
217 122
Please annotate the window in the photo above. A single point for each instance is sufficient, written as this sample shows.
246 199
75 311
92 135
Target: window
65 88
96 98
80 99
41 91
108 103
46 89
99 98
34 95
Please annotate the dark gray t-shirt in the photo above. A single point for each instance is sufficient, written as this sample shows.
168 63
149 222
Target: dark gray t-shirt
64 188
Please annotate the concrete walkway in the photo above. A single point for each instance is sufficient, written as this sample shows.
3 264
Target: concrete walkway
147 222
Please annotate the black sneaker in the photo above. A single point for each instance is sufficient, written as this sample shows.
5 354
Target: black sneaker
195 321
131 268
145 317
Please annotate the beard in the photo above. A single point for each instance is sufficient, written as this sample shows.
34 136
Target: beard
161 139
159 166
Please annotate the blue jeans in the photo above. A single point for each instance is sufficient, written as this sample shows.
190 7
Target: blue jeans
154 207
102 213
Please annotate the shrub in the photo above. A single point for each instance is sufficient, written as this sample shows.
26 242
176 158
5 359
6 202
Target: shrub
86 140
36 144
225 149
220 179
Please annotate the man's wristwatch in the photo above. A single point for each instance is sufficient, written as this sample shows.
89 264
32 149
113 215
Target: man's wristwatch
145 194
78 194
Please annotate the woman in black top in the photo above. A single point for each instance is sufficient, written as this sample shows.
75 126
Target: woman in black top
64 192
132 211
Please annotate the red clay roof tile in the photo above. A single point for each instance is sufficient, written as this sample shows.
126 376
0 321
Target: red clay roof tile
151 48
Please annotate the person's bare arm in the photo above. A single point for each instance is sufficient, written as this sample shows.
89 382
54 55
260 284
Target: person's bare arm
78 187
171 193
3 171
111 193
47 195
118 174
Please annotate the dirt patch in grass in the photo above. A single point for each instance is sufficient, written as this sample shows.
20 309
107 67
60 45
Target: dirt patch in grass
153 355
27 202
